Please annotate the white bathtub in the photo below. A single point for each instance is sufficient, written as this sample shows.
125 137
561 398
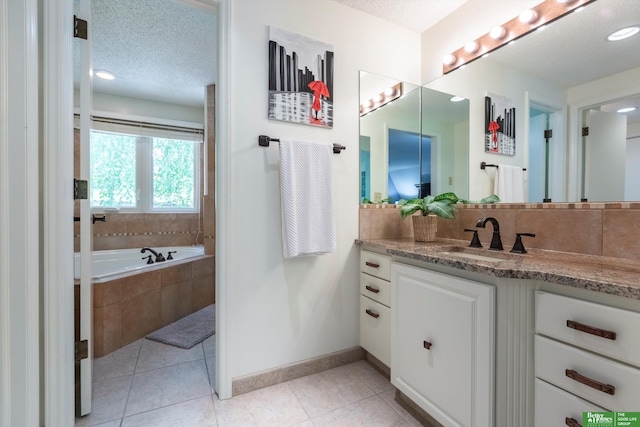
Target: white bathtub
115 264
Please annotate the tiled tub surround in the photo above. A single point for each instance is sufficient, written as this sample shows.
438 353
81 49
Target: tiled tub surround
600 229
136 230
127 309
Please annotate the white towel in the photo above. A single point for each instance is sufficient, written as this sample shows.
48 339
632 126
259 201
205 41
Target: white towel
306 188
509 184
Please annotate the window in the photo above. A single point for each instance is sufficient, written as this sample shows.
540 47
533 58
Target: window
143 173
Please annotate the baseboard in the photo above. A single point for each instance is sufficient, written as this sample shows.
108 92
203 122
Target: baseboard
285 373
417 412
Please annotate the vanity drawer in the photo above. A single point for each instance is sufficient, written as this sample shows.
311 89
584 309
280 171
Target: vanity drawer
375 329
375 264
376 289
609 384
606 330
554 406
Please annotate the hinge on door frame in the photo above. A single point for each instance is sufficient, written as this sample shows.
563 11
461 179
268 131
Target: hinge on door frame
548 133
80 29
80 189
81 350
585 131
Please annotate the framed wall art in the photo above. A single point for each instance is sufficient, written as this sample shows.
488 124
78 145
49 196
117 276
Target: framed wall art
300 79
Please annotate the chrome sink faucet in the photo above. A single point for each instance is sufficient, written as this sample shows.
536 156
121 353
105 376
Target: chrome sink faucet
496 242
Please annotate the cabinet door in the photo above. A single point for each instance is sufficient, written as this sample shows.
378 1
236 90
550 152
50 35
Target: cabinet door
375 329
556 407
442 349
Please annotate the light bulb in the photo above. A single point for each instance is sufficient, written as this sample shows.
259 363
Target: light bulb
497 33
449 59
471 47
528 16
378 98
390 91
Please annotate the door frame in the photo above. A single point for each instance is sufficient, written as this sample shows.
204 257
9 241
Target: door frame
57 208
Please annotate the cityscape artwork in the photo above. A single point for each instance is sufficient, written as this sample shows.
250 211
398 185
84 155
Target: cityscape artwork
300 79
499 125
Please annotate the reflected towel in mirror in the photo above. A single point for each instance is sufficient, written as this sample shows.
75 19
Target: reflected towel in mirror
509 184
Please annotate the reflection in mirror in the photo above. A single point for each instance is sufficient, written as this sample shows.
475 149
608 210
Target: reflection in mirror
556 76
405 153
389 148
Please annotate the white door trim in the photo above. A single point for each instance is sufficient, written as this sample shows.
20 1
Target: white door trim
223 190
19 216
57 150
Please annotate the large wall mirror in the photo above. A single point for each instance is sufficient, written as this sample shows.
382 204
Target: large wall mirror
413 141
563 78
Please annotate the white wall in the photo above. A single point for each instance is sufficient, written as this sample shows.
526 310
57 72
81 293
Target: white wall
281 312
122 105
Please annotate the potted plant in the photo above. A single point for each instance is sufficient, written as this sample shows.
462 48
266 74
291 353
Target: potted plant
431 207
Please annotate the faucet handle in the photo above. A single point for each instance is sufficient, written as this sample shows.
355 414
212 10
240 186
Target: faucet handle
148 258
475 241
518 247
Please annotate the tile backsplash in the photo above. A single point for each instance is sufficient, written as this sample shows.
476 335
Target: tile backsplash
604 229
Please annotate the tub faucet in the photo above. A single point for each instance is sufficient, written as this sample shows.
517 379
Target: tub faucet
158 255
496 242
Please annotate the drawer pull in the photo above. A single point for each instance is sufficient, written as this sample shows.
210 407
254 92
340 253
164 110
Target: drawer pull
591 330
372 313
571 422
605 388
372 264
427 345
370 289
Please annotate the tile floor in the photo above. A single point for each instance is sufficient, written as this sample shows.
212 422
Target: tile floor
152 384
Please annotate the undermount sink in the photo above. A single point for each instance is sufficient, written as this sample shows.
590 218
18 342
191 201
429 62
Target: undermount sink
474 254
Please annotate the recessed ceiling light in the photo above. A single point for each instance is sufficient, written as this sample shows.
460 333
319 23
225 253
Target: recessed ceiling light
624 33
456 99
626 110
104 74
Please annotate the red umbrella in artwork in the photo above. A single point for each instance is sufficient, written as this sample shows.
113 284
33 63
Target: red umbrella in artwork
319 89
493 128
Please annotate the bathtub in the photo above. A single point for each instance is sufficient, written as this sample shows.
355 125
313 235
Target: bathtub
116 264
132 298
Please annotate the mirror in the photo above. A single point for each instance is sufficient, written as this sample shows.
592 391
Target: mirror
561 76
413 145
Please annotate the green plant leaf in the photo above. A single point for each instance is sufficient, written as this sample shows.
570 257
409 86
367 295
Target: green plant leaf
490 199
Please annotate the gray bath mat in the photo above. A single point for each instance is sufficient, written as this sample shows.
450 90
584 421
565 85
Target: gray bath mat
188 331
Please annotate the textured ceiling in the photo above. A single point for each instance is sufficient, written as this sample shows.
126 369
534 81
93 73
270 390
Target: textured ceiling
416 15
161 50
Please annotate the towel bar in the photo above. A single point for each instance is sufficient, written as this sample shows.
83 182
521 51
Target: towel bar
484 165
264 140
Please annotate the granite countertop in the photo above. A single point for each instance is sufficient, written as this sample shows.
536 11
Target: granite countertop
614 276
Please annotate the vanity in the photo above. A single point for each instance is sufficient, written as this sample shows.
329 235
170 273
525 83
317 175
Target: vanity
492 338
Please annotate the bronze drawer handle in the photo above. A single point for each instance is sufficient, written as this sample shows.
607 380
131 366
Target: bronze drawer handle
370 289
571 422
605 388
372 264
372 313
427 345
610 335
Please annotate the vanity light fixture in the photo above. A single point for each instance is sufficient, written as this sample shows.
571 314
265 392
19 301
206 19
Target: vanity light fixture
626 110
624 33
386 96
529 20
105 75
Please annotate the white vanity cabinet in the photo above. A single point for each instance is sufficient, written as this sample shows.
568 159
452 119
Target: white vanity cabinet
375 305
587 352
442 344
